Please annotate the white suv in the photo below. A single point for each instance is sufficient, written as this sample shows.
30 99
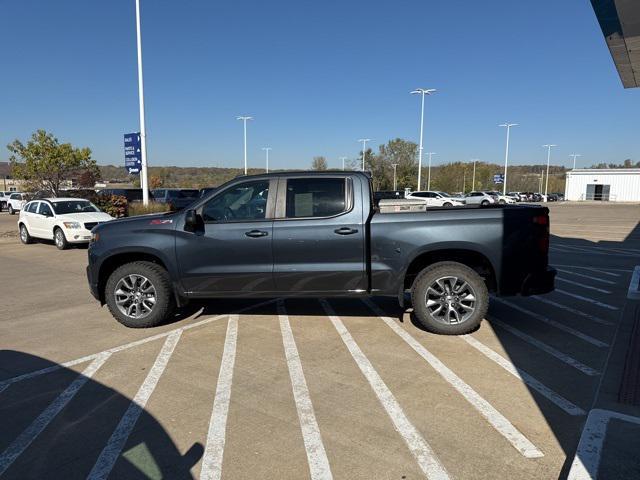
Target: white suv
15 202
434 199
479 198
64 220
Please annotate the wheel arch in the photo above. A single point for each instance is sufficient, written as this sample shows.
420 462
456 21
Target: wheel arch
466 256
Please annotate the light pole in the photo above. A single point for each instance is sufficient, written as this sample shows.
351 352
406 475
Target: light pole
343 159
574 155
395 185
506 155
422 92
546 184
143 132
464 181
266 151
429 170
364 149
473 182
244 120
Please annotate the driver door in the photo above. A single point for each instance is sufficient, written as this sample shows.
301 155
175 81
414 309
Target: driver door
232 252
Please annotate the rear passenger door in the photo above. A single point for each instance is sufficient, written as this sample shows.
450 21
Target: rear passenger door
318 236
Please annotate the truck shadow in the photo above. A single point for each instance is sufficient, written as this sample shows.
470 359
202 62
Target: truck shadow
69 442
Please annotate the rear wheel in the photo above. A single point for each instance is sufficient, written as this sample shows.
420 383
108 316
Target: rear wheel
502 202
139 295
484 203
447 204
449 298
24 235
59 239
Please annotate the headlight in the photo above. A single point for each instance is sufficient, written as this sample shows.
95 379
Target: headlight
94 237
71 224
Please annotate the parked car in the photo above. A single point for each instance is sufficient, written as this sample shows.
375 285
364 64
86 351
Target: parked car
552 197
479 198
15 202
560 196
4 199
501 199
435 199
63 220
388 195
131 194
518 196
318 234
175 197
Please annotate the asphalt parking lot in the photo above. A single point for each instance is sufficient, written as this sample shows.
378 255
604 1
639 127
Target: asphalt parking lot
305 388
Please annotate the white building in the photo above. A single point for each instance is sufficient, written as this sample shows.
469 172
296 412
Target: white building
603 184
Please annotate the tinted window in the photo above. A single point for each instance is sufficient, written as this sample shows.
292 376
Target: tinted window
45 209
15 196
246 201
315 197
74 206
32 207
420 194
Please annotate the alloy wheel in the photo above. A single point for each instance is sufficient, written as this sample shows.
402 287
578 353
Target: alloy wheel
450 300
135 296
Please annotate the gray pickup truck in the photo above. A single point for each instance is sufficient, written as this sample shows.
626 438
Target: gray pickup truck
303 234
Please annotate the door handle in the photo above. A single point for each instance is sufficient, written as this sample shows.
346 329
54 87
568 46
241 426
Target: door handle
346 231
256 233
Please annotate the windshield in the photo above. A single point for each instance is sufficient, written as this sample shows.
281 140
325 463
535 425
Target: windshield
74 206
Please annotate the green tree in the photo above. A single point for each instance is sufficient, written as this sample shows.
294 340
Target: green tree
319 163
404 154
45 163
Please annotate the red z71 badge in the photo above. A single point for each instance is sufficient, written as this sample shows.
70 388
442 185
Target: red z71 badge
159 221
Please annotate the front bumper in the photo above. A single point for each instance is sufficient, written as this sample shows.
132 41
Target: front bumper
93 284
539 282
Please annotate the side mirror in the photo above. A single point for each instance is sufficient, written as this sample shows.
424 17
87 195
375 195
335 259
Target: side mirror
190 220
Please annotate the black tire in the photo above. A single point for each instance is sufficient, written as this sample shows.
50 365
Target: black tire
11 210
447 204
159 278
484 203
24 235
428 277
59 239
502 202
3 205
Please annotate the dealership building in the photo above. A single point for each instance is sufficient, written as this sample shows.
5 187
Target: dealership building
603 184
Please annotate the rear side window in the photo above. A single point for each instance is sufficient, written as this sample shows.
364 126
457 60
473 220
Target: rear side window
315 197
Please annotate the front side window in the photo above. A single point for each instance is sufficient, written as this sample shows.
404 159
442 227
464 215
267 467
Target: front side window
242 202
32 207
45 209
315 197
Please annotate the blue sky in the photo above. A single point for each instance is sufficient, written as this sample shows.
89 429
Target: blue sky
316 76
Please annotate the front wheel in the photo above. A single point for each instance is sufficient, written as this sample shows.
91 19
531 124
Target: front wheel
447 204
502 202
59 239
139 295
449 298
11 210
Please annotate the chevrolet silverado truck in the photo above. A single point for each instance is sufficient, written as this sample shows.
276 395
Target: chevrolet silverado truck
320 234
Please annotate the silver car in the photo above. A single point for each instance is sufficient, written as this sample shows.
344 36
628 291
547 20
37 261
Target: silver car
479 198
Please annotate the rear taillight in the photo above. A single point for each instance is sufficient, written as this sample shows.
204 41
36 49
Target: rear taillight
542 239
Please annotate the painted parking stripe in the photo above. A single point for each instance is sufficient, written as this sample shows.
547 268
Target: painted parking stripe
25 439
598 270
491 415
111 451
563 357
582 285
590 277
553 323
316 455
520 374
214 449
575 311
586 299
421 450
119 348
587 459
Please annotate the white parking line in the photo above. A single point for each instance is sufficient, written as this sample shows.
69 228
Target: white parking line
126 346
575 311
587 299
582 285
553 323
421 450
25 439
590 277
214 449
538 386
491 415
111 451
598 270
316 455
563 357
587 459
